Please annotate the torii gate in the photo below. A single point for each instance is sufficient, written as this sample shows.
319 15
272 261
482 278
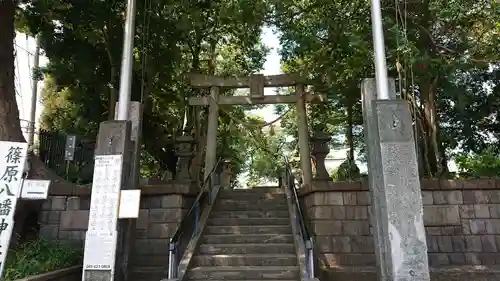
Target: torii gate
256 83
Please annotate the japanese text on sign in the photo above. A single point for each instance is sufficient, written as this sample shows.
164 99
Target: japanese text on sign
35 189
105 193
100 251
12 161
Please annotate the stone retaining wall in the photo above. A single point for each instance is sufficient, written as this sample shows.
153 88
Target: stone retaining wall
462 220
64 217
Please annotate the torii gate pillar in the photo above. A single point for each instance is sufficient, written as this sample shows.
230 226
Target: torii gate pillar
213 122
304 150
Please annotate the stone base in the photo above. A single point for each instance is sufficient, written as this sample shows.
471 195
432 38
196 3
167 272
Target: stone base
330 185
464 273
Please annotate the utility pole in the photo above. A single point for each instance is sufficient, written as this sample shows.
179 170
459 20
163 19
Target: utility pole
127 63
397 211
379 51
114 144
34 81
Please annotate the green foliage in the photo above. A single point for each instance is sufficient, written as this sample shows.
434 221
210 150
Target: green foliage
479 165
347 171
83 42
266 158
37 257
447 53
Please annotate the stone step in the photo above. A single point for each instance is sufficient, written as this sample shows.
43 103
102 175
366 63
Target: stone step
252 201
235 205
242 280
247 238
272 187
249 229
147 273
235 249
246 260
248 221
244 273
239 280
266 194
251 214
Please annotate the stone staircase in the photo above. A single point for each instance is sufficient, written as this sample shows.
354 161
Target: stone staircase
248 237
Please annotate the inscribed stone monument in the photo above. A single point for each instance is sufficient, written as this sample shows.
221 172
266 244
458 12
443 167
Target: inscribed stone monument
397 211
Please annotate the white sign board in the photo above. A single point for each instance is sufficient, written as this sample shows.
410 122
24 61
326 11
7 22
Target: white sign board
130 201
12 162
100 251
35 189
100 240
4 246
105 193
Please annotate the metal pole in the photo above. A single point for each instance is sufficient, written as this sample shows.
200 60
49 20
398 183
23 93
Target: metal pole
127 63
379 49
34 81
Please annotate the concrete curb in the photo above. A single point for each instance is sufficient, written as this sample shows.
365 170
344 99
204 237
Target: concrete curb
57 275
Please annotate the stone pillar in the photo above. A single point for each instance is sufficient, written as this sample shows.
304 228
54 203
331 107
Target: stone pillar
304 151
185 153
368 95
105 256
213 116
397 212
319 152
127 226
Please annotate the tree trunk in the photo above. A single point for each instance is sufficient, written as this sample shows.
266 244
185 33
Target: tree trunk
349 133
428 86
202 141
430 119
10 127
195 119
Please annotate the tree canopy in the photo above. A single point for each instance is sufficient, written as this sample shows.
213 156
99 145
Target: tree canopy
443 54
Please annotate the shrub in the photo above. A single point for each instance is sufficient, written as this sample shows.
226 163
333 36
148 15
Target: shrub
39 256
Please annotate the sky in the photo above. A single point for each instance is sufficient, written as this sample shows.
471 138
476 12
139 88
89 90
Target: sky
25 50
272 66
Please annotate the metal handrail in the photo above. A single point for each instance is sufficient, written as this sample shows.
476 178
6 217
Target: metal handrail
195 209
307 237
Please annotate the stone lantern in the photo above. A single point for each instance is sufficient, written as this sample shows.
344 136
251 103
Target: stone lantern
185 153
319 152
226 175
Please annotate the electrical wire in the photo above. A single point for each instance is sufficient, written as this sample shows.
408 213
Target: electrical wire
18 88
254 125
145 39
28 52
29 66
399 67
